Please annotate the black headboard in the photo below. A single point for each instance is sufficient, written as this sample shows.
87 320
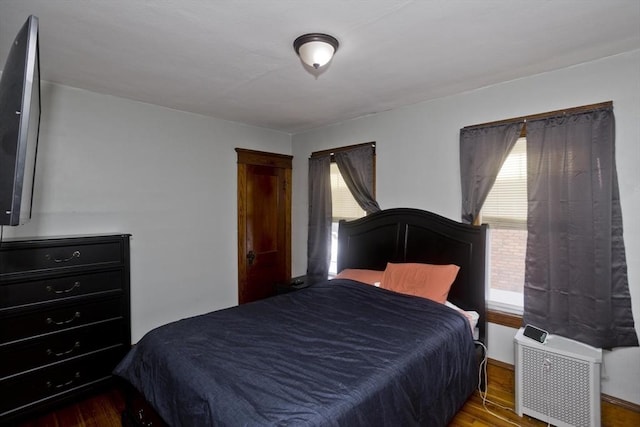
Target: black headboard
413 235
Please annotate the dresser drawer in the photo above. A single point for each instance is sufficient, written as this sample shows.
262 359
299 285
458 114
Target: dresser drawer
57 380
64 319
43 257
49 289
56 319
54 348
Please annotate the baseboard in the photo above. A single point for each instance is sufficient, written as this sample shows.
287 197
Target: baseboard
615 412
501 364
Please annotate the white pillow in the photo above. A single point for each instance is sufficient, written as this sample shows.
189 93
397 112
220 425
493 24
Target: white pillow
472 316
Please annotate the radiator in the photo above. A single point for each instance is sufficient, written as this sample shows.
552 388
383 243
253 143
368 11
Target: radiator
559 381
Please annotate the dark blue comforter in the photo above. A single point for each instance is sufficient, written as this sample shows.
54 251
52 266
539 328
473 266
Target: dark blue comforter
339 353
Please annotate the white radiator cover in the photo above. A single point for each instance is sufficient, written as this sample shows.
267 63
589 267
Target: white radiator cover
558 381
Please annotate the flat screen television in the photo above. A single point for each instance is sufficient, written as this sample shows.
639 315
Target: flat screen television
19 125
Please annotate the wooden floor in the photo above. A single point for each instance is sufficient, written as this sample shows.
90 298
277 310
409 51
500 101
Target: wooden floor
475 414
104 411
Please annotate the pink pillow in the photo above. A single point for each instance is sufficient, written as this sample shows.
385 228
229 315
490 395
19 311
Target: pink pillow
369 277
422 280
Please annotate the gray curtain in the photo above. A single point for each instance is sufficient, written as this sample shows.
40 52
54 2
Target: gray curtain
319 237
483 150
576 273
357 170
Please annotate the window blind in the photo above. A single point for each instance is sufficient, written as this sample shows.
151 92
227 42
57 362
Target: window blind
506 204
344 205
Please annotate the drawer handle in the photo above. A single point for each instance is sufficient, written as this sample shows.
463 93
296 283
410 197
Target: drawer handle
50 321
64 291
75 254
63 353
51 385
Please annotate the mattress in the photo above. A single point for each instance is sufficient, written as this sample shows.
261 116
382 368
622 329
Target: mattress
336 353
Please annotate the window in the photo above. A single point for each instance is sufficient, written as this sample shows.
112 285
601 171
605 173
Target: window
344 206
569 273
505 210
357 163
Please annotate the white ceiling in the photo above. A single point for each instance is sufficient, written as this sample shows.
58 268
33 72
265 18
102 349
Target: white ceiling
233 59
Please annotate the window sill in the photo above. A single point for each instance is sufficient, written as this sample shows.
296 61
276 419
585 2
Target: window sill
505 308
509 301
503 318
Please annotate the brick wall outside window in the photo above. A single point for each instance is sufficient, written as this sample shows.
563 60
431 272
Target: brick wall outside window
508 249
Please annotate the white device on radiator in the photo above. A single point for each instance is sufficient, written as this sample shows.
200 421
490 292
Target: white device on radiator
558 381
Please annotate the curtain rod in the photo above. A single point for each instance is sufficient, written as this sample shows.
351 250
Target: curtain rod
339 149
573 110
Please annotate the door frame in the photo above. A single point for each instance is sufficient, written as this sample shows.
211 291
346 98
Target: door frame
261 158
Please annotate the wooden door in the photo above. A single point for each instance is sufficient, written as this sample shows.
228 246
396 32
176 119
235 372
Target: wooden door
264 223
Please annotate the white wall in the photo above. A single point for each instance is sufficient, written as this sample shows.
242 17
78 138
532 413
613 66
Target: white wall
107 164
418 166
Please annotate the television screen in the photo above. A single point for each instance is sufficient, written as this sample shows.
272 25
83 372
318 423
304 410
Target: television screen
19 125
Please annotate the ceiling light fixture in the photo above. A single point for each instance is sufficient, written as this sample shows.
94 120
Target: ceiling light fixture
315 49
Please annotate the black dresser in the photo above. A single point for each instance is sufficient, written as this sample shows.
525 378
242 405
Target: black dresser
64 319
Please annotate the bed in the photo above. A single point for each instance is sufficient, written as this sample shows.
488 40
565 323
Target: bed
340 352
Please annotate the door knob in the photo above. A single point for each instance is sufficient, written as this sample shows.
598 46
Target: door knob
251 256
